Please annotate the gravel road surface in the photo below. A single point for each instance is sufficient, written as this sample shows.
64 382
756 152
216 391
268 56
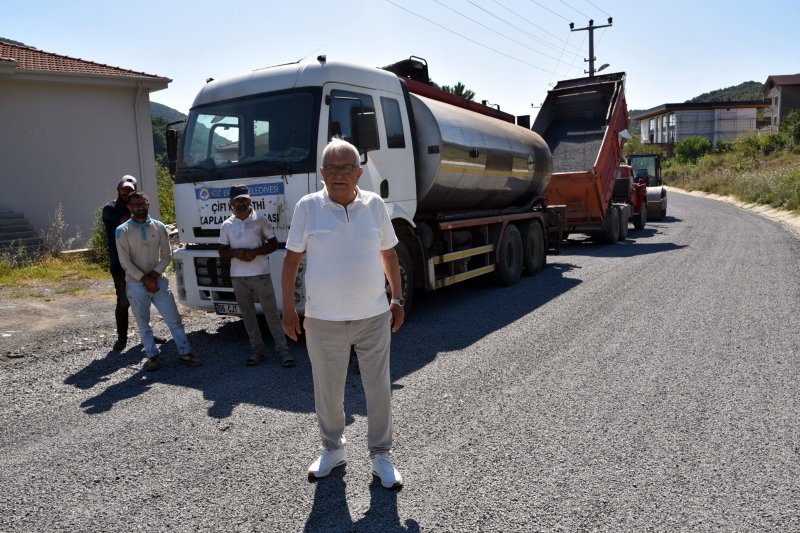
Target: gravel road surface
649 385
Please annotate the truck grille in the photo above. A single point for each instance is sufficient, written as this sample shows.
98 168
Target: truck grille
213 272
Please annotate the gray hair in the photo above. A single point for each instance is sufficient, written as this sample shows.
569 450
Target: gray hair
340 147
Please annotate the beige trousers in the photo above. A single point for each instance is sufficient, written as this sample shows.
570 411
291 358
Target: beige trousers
328 344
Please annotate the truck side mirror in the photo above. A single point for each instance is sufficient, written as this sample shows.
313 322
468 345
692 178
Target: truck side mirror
365 131
173 138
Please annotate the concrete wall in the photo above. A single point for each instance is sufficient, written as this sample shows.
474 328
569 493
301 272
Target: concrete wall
716 125
70 144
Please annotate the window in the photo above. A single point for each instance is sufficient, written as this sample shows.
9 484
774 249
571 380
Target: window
393 121
344 108
263 134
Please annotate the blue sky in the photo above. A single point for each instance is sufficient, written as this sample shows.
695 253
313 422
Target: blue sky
508 51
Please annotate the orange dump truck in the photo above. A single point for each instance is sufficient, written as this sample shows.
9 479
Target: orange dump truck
584 122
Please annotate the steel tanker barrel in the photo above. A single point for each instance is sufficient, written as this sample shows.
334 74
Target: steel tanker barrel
468 161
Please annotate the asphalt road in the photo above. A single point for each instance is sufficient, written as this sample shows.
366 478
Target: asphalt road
646 386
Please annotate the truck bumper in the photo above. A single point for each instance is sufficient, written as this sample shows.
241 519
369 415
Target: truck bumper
202 283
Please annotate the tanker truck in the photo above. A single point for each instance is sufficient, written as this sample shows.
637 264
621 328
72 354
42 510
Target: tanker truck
464 184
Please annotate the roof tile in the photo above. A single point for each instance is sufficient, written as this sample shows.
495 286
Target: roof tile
36 60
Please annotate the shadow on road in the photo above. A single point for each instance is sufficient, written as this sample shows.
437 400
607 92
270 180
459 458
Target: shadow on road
443 321
330 512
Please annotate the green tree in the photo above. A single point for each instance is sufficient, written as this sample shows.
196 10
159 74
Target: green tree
159 139
790 126
166 197
459 90
692 148
636 146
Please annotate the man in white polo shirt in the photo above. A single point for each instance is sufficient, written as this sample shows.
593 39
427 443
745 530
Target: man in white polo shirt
247 239
349 241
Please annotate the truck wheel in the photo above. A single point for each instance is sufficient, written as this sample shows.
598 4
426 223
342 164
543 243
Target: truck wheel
641 218
533 252
509 257
610 233
623 224
406 276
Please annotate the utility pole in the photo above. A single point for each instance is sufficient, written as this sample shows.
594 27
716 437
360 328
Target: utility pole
590 28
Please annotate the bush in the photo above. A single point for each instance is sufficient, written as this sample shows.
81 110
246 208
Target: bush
98 246
690 149
166 197
772 142
748 145
790 126
54 241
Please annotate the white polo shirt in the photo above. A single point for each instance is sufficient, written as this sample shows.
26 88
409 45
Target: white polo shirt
248 233
344 273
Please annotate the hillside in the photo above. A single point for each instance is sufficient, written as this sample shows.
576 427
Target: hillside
167 113
749 90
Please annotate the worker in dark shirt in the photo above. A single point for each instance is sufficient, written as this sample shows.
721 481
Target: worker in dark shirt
115 213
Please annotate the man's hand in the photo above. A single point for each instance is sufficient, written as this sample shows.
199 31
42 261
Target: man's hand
150 284
398 316
246 255
150 281
291 324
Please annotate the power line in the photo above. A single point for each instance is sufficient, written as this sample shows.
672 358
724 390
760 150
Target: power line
572 8
472 40
500 34
550 10
529 22
599 9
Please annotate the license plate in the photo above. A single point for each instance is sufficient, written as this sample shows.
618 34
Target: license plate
226 309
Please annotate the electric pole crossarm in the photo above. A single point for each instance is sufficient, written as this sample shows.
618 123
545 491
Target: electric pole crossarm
590 28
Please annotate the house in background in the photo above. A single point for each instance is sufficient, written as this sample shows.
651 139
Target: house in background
71 129
668 124
782 94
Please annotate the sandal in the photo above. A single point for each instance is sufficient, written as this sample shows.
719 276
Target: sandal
254 360
190 359
287 360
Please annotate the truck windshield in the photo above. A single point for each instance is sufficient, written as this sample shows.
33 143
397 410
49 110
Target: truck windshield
645 167
262 135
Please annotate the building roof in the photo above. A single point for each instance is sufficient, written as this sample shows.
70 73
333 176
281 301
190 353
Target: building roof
696 106
25 59
780 80
785 79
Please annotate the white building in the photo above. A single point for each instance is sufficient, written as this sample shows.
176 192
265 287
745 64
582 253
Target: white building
716 121
71 129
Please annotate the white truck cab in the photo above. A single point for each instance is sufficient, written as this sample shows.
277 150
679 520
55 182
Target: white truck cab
267 130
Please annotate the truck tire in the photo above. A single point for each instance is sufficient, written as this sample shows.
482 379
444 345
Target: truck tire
533 252
641 219
623 224
509 257
610 233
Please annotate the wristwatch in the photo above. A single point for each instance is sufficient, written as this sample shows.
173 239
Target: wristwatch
399 301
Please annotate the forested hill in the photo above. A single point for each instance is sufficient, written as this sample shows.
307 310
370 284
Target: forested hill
749 90
167 113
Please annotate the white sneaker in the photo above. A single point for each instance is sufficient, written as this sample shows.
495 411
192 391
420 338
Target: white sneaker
383 468
326 462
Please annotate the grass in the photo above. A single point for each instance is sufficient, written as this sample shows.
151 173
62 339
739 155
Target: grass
49 277
772 180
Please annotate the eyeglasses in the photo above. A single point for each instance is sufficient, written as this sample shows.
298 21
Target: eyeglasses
340 169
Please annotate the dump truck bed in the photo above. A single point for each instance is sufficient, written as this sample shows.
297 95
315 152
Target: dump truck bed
580 121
